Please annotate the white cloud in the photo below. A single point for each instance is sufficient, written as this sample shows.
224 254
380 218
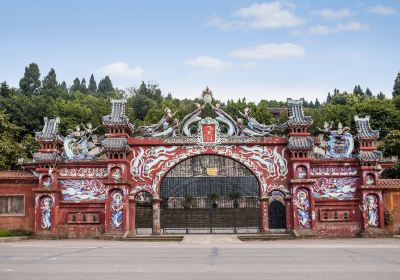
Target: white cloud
121 70
270 52
329 14
382 10
270 15
223 24
208 62
351 26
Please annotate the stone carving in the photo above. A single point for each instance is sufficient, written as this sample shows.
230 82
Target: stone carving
45 208
116 209
339 188
302 203
79 145
301 172
77 190
167 126
333 170
369 179
84 172
340 143
371 205
254 128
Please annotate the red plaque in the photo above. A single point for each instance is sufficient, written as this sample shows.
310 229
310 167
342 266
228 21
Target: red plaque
208 133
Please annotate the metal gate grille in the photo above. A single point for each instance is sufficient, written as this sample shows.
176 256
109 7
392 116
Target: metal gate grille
210 204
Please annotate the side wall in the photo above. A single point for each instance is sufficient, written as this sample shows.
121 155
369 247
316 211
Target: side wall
20 222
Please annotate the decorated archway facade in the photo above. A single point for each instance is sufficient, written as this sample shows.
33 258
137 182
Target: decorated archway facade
86 186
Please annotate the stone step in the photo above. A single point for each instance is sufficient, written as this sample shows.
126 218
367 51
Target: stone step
154 238
266 237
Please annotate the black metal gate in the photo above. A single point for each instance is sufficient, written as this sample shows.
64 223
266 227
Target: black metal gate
199 196
276 215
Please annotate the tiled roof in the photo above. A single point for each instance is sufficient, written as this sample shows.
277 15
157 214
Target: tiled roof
364 131
389 183
370 156
16 174
296 113
117 116
50 129
300 143
115 144
46 157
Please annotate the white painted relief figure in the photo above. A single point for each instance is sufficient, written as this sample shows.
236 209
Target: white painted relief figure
372 208
116 208
369 179
116 174
301 172
302 203
45 208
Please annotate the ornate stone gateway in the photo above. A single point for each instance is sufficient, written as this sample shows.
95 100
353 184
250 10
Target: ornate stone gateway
207 173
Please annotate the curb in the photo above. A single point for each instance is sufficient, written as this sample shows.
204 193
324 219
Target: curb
13 238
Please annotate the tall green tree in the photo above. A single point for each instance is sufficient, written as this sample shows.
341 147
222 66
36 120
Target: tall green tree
358 91
30 82
92 85
76 86
105 85
63 86
83 88
380 96
4 89
368 92
50 81
396 86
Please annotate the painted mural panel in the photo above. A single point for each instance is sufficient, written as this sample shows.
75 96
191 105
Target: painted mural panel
46 204
339 188
77 190
116 209
302 203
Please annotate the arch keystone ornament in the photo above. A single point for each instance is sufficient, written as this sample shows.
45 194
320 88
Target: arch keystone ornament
209 164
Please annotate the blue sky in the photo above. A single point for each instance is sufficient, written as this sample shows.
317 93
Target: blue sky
258 50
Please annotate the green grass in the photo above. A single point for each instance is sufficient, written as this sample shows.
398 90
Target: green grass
17 232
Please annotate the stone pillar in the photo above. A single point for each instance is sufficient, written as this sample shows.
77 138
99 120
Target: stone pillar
132 214
156 216
264 214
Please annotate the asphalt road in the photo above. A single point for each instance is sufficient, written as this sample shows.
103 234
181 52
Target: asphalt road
201 258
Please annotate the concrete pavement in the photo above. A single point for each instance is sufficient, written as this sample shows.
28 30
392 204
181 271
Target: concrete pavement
201 257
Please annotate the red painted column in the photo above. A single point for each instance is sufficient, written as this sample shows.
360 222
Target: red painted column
289 213
156 216
264 214
132 215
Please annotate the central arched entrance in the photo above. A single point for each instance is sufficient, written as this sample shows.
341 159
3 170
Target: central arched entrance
210 194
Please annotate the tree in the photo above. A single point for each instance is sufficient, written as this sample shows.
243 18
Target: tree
30 82
396 86
317 103
92 85
4 89
83 88
105 85
76 86
358 91
368 92
63 86
50 81
9 144
329 98
380 96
